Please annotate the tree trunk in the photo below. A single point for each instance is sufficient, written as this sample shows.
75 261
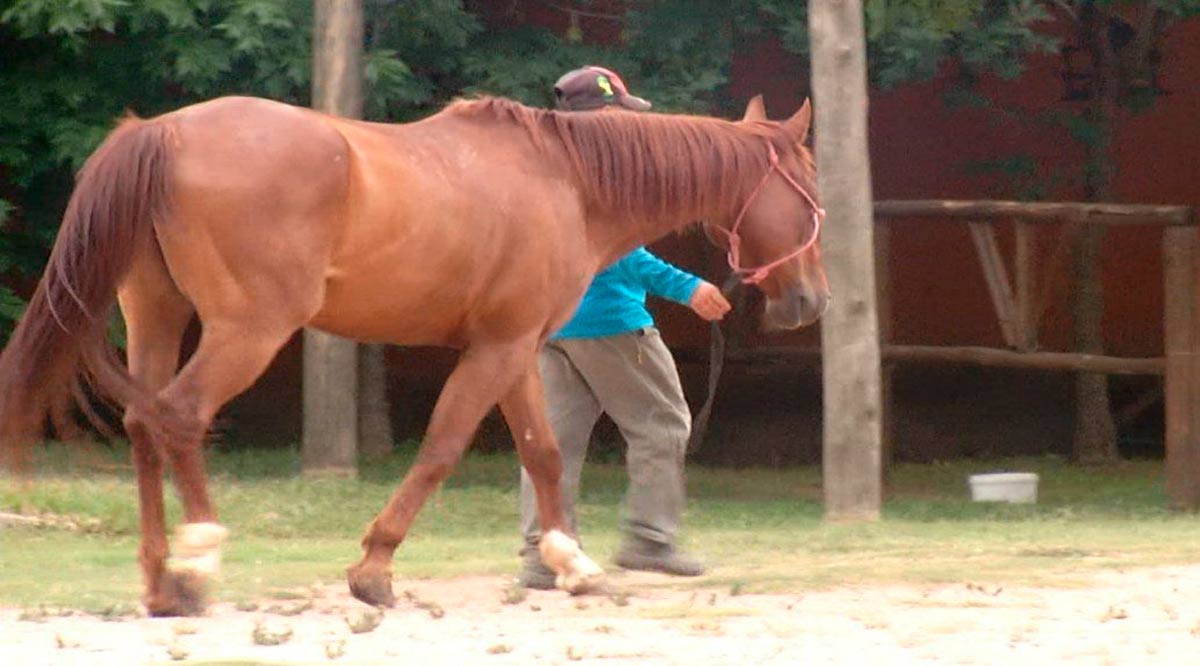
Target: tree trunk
1095 438
329 441
850 328
374 413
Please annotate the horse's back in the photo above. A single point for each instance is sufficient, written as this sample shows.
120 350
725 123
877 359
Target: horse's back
222 141
466 223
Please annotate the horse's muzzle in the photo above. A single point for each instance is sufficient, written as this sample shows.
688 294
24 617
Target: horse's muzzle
796 307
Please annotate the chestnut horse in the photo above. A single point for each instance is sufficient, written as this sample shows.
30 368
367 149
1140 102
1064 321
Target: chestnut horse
478 228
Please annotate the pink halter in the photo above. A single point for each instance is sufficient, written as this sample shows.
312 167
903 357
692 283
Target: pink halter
758 274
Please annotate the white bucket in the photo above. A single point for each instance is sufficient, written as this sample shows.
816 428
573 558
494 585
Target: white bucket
1013 487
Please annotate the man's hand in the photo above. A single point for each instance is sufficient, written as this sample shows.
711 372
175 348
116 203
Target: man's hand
708 302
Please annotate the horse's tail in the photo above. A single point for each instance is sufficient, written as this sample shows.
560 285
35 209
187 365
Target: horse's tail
61 342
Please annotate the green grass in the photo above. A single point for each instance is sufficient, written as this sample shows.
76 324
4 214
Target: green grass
761 529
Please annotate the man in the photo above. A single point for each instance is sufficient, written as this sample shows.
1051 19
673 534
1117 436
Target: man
609 358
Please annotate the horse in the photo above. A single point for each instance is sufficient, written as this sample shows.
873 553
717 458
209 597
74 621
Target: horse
477 228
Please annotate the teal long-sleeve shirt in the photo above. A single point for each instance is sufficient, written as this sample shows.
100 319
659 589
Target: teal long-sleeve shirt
616 300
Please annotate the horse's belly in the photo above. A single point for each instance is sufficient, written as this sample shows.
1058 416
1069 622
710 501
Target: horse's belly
384 314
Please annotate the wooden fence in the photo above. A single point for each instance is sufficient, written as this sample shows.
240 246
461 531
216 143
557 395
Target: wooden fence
1018 307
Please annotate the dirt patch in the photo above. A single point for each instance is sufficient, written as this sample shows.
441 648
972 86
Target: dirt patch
1120 617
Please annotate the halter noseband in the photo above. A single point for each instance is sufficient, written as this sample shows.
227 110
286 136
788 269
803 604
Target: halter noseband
760 273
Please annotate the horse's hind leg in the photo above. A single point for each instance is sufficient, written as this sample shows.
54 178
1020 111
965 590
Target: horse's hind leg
234 349
231 355
524 408
484 373
156 315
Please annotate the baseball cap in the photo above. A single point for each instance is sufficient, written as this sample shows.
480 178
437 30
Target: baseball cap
594 87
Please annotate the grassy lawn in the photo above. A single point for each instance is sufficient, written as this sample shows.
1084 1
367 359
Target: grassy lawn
760 529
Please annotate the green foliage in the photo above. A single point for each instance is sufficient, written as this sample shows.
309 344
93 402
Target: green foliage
73 67
1179 8
999 40
11 308
1020 175
910 39
684 49
414 54
63 17
525 62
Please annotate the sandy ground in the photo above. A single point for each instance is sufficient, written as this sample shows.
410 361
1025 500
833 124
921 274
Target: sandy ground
1144 616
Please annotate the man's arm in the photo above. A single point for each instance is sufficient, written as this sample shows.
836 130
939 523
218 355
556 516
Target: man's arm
666 281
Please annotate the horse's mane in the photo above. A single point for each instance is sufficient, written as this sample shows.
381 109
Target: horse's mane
649 165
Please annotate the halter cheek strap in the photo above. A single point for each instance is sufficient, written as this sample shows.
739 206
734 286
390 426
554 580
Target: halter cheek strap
760 273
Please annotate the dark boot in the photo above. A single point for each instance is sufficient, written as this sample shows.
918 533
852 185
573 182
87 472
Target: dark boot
534 574
645 555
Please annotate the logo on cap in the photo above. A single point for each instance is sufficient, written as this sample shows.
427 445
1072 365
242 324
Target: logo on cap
605 85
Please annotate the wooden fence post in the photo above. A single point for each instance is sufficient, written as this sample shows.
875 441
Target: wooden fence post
1181 305
887 370
996 276
1028 312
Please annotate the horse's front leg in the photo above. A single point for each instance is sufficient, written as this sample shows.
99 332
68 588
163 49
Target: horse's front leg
524 408
484 373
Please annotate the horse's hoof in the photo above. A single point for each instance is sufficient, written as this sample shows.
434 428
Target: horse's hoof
373 588
181 594
577 573
577 584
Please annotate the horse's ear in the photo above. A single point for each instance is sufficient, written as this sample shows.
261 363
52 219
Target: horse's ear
797 126
755 109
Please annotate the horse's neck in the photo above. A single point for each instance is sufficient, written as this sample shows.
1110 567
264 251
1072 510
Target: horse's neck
612 237
618 232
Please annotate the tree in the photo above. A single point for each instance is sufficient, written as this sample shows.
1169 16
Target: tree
330 433
375 436
1121 57
850 328
1095 438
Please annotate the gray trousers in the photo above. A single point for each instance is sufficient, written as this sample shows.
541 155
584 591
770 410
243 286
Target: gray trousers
632 378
